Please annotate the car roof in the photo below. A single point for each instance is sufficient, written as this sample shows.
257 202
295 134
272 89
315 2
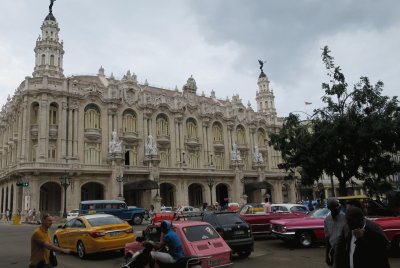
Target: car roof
96 216
352 197
181 224
101 201
288 205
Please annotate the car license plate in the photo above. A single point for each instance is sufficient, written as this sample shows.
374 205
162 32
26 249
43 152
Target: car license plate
115 233
240 232
214 262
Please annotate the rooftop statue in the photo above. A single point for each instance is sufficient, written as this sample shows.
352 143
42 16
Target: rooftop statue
51 6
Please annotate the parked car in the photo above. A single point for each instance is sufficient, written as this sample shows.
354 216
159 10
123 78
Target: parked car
310 229
93 233
198 239
234 207
260 221
236 232
114 207
305 230
73 213
371 207
166 209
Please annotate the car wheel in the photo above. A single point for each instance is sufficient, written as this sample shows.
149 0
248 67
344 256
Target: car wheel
305 239
55 241
80 249
244 254
137 219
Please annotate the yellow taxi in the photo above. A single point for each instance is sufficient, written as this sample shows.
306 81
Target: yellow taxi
94 233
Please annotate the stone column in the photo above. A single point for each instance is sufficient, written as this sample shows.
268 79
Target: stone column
70 128
76 126
43 129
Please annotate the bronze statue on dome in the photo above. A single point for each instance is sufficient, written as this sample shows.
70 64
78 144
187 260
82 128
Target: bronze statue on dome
261 62
51 6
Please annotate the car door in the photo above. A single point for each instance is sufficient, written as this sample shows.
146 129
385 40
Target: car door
77 232
65 234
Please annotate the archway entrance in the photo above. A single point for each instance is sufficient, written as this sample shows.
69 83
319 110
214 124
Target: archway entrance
50 198
222 194
167 193
92 191
195 192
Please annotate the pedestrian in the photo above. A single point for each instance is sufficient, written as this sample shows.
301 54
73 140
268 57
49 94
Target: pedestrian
267 206
41 244
363 243
7 214
34 214
30 213
333 227
310 205
151 213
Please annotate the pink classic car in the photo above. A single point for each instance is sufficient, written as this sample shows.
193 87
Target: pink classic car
310 229
198 239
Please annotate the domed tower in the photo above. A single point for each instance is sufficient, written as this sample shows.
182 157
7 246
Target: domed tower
48 50
265 97
190 86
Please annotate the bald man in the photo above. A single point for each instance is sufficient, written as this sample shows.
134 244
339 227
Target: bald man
333 227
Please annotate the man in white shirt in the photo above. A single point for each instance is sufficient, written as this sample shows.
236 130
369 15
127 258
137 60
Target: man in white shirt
333 227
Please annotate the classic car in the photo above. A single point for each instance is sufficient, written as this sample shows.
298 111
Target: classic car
93 233
198 239
260 221
310 229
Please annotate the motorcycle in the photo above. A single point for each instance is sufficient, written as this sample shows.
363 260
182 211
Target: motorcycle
141 259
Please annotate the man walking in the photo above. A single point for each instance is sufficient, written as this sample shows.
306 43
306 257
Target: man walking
41 244
333 227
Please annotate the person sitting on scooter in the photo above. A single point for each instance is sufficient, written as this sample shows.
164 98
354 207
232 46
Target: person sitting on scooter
170 240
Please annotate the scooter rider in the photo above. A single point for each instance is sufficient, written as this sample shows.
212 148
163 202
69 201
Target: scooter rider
171 241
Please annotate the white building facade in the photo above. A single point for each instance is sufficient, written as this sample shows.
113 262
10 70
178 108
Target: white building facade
117 138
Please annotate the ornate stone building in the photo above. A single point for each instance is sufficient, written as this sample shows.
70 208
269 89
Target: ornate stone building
117 138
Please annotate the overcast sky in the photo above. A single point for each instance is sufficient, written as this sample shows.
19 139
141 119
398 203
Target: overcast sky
216 41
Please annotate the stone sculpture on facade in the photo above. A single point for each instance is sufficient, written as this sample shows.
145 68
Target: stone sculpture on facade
235 153
150 147
257 156
115 145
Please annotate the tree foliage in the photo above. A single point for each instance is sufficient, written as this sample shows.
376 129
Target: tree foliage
354 135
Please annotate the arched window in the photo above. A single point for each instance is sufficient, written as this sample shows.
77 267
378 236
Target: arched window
129 121
53 118
260 137
92 116
164 157
241 135
92 153
43 60
162 125
217 132
52 60
191 128
193 160
35 114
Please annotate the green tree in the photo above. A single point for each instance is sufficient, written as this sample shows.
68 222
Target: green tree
353 136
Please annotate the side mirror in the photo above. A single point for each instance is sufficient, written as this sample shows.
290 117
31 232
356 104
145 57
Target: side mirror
60 227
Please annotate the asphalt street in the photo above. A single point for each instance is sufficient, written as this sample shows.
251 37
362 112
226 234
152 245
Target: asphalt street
15 252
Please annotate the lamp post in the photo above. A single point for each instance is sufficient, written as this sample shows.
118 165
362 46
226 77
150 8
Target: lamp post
120 179
210 183
65 181
242 181
157 180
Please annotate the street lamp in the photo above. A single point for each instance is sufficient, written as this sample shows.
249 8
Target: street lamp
210 183
65 181
157 180
242 181
120 179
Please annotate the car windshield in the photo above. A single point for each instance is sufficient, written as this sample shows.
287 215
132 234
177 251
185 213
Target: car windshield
319 213
199 232
298 209
104 221
228 218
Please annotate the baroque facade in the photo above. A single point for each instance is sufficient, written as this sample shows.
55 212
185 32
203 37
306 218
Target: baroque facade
117 138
